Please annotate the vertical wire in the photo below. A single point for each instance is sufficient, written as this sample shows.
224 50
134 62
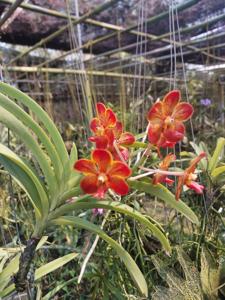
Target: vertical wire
187 93
135 69
77 62
171 48
174 46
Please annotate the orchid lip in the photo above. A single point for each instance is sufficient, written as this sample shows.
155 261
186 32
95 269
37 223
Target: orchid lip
102 178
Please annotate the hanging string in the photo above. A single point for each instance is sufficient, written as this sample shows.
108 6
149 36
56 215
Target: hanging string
187 96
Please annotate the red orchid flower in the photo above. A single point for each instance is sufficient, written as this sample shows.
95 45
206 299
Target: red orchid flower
106 118
166 119
101 173
109 131
189 177
117 139
164 165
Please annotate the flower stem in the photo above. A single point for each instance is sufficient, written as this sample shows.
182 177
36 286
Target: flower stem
153 171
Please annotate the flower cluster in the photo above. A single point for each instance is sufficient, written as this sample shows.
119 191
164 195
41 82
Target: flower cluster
165 129
108 133
107 168
166 119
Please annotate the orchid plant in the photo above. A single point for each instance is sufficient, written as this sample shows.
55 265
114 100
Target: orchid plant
68 184
108 166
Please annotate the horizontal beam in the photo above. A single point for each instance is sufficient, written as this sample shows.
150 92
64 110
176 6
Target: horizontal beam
10 11
97 10
120 30
57 14
21 69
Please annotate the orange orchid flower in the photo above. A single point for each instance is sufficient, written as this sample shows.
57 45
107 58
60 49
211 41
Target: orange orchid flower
164 165
101 173
109 131
106 118
118 139
189 177
166 119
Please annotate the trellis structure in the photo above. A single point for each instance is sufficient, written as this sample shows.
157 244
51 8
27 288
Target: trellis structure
133 57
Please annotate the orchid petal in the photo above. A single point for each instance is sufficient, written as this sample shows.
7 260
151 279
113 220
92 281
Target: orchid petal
118 185
175 132
164 165
120 169
194 162
169 181
85 166
198 188
102 158
95 125
100 108
89 184
109 119
183 111
158 178
155 114
118 129
180 184
126 138
154 133
170 101
101 141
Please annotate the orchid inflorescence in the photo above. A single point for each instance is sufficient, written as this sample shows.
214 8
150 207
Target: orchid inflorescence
108 167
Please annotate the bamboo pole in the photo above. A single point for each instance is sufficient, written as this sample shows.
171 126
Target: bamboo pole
22 69
97 10
57 14
114 27
160 58
156 38
43 41
10 11
121 29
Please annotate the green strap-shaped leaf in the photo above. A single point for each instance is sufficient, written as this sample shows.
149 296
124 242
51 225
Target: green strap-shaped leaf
10 269
17 127
164 194
14 93
18 112
25 182
217 172
14 158
115 206
216 154
13 267
54 265
130 264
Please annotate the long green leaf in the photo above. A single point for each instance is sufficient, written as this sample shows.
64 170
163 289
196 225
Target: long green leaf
58 287
14 93
25 182
37 193
130 264
164 194
16 126
10 269
115 206
13 108
217 153
54 265
217 172
13 267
